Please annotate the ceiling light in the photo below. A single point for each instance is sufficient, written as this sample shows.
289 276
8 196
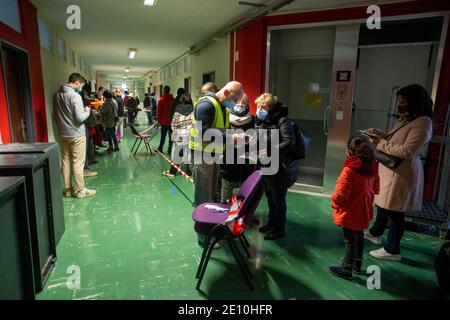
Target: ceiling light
132 53
150 3
127 70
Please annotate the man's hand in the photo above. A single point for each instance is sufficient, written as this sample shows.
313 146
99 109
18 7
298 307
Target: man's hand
88 109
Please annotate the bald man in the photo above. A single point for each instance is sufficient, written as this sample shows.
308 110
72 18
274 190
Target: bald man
209 87
211 110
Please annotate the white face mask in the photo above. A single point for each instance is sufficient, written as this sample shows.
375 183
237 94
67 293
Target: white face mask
239 109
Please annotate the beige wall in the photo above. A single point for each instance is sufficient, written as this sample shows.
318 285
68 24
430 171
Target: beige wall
215 57
56 72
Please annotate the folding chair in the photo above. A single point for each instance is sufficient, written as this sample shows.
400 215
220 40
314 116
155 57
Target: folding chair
215 225
141 137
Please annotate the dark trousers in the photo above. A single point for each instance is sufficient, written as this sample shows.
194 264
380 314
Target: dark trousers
276 199
111 136
393 220
149 117
354 248
165 130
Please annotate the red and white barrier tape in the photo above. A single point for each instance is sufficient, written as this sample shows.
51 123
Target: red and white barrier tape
184 174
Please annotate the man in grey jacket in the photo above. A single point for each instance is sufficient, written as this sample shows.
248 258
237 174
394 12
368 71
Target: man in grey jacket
70 115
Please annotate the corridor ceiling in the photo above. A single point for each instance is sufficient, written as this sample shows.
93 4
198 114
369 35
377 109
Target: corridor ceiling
160 33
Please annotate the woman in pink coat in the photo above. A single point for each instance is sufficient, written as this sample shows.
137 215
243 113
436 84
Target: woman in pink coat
401 189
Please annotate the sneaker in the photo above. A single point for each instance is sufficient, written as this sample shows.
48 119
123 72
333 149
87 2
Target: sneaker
384 255
90 174
168 174
85 193
341 273
374 240
268 227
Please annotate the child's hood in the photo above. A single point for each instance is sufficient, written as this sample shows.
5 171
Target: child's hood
367 169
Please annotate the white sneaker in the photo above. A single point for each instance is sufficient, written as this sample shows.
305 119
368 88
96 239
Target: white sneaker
384 255
374 240
85 193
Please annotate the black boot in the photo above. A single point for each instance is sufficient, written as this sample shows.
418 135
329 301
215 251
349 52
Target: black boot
341 273
274 235
268 227
357 266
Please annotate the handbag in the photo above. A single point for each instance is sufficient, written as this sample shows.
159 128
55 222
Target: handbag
391 162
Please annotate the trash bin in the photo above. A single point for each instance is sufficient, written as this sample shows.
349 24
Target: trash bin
16 269
54 159
35 169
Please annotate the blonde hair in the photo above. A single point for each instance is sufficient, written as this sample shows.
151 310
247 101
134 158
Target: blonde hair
268 98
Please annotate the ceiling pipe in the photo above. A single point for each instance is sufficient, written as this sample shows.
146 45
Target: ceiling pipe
240 22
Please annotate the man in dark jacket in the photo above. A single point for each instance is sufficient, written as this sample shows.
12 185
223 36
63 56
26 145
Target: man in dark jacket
148 109
120 112
272 115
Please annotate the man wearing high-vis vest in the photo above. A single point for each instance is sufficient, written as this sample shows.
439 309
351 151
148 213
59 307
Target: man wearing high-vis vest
211 111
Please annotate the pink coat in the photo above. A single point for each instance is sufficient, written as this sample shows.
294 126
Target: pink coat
402 189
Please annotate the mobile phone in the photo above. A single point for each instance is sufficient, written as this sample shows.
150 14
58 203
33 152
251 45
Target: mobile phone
370 135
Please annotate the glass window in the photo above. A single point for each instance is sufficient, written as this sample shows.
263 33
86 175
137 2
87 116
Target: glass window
45 35
80 63
62 51
10 15
187 64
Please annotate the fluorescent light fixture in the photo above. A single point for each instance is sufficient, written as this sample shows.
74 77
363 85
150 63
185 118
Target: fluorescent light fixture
150 3
132 53
127 70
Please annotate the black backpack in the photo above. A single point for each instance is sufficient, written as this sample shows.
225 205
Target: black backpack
442 266
302 143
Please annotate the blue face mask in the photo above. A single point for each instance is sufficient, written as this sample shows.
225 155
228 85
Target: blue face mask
262 115
229 104
239 109
79 90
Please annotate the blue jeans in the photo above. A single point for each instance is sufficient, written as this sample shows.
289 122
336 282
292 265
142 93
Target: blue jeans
165 130
111 137
393 220
276 199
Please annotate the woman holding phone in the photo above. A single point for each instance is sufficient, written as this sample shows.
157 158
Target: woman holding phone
401 188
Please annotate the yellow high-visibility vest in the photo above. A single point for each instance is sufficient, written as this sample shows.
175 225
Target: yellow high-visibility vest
219 123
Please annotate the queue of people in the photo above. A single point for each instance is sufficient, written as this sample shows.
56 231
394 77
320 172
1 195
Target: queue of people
368 176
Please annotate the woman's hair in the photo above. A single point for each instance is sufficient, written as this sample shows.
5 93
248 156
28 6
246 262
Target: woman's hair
108 94
268 98
358 146
186 99
418 101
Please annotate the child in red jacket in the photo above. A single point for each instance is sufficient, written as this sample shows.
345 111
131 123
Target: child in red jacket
352 202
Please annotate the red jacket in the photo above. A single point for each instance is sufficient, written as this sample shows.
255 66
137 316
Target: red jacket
355 191
164 104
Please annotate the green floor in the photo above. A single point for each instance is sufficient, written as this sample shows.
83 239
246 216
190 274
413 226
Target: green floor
135 240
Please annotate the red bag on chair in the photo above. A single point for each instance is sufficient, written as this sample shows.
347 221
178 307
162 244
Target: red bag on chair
236 225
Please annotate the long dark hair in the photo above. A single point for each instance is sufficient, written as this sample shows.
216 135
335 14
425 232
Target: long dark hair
186 99
358 146
418 101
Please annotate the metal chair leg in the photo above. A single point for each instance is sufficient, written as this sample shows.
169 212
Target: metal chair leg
205 264
241 258
135 141
245 240
139 145
245 247
241 267
202 260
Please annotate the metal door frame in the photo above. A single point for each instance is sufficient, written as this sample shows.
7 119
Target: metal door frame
24 78
444 14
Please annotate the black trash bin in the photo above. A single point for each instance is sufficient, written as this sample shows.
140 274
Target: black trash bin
16 268
54 159
35 169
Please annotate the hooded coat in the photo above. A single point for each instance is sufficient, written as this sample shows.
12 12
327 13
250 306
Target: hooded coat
354 195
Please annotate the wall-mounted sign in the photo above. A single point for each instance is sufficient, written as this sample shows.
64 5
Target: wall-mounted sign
344 76
313 99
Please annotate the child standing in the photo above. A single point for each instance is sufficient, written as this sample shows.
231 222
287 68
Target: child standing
352 202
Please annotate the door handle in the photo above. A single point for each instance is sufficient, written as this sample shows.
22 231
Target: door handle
326 120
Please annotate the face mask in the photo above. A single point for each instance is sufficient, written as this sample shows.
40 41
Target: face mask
239 109
79 90
262 115
229 104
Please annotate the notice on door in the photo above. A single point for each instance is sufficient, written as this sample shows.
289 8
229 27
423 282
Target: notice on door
313 99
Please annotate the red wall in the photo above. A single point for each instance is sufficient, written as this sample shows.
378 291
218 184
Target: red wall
28 41
250 69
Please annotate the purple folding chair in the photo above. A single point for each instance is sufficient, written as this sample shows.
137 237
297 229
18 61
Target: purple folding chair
214 225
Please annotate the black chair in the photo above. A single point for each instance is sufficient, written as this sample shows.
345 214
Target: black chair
140 137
